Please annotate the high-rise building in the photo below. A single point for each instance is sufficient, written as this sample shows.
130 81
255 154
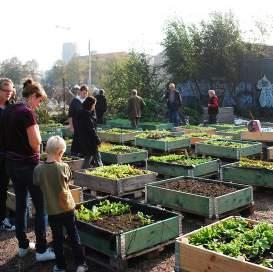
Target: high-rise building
69 50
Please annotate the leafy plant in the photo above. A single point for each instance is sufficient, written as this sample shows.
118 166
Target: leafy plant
145 219
230 144
118 149
161 135
247 163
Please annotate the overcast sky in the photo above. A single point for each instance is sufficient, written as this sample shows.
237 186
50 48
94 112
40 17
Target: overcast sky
29 26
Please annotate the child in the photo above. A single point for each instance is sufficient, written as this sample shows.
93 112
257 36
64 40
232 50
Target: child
53 177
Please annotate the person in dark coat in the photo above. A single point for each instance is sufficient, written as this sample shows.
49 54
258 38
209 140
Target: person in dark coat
101 106
88 140
74 108
213 107
135 107
174 102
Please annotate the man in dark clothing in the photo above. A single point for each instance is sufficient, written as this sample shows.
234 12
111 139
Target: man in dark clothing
174 102
101 106
213 106
74 108
135 107
6 92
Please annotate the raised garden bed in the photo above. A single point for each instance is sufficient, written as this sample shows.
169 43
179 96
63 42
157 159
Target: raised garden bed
76 192
119 123
161 140
252 172
114 179
233 244
196 129
234 133
226 126
117 135
121 154
228 149
200 137
121 244
266 137
205 197
155 125
181 165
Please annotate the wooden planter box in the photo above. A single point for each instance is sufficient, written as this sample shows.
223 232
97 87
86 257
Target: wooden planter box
209 207
120 245
266 137
209 130
75 164
195 140
162 145
269 153
119 123
45 136
190 258
220 127
176 170
250 176
117 138
76 192
228 152
159 126
236 135
108 157
113 187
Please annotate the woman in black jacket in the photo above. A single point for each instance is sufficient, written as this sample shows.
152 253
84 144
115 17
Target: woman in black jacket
87 135
101 106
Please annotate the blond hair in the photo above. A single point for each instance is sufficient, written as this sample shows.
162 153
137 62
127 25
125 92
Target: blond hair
55 144
211 92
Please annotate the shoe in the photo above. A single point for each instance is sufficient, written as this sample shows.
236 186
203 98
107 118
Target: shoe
82 268
46 256
23 251
57 269
6 225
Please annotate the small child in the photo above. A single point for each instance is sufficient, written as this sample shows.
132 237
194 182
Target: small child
53 177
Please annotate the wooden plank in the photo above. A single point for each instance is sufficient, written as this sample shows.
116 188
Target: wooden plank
108 157
266 137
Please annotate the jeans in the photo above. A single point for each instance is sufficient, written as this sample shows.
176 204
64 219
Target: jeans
58 223
4 181
174 117
92 160
21 174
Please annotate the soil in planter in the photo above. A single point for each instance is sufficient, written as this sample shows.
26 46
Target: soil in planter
123 222
199 188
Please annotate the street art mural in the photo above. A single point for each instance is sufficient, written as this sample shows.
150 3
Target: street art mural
266 96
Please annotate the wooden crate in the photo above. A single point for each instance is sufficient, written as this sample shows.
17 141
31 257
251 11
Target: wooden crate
190 258
266 137
228 152
250 176
162 145
120 138
113 187
75 164
208 207
236 135
155 126
108 157
176 170
208 130
220 127
121 245
76 192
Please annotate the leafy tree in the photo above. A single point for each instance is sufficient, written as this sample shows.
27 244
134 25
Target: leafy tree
13 69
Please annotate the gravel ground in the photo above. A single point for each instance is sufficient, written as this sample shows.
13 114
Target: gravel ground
161 262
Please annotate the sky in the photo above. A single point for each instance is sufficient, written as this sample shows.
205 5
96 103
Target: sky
36 29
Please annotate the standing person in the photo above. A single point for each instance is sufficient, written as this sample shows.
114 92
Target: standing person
87 135
6 93
22 141
101 106
53 177
213 107
74 108
135 107
174 102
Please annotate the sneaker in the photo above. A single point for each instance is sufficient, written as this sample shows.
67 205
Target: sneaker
23 251
46 256
57 269
6 225
82 268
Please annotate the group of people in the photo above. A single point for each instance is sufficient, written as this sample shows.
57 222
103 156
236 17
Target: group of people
46 183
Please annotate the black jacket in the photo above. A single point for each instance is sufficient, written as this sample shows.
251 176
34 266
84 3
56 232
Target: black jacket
101 105
86 135
177 103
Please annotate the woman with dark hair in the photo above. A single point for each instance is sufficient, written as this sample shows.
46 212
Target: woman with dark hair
88 139
22 141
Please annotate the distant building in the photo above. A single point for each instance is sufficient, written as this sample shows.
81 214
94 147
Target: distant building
69 50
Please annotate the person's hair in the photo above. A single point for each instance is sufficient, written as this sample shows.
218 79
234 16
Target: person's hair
134 92
102 92
5 82
30 87
211 92
84 87
88 102
55 144
171 85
